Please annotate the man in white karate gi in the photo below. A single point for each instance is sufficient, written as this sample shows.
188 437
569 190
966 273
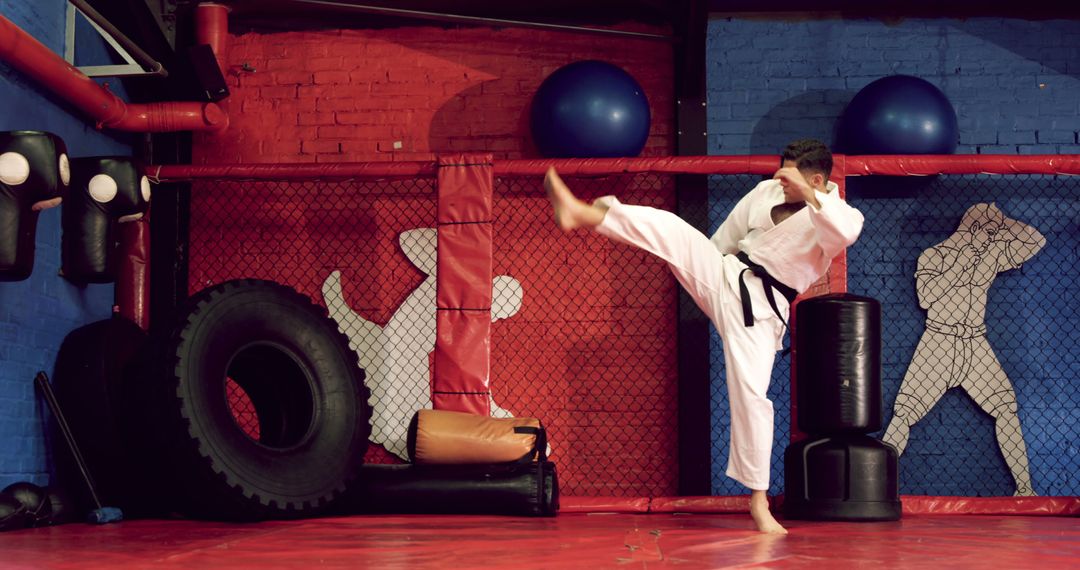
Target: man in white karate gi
779 238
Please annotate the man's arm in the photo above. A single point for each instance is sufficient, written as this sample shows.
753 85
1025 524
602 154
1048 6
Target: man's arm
940 269
1022 242
837 223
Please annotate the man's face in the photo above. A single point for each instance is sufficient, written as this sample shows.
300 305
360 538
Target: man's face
983 233
984 221
815 179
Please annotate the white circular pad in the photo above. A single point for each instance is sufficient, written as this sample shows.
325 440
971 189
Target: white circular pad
14 168
65 170
102 188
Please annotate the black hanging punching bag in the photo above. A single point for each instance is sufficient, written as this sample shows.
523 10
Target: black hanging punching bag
105 191
838 364
34 172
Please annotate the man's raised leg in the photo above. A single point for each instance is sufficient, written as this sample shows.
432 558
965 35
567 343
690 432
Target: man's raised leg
698 266
570 213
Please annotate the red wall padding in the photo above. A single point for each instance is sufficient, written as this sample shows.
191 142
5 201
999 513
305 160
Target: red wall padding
463 298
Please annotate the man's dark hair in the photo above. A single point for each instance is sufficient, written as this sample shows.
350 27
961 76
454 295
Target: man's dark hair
809 154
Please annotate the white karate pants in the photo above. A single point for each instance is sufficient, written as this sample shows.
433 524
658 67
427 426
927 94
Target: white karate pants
749 352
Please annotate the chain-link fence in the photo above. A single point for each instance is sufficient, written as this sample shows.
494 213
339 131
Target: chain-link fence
366 250
978 319
977 278
592 352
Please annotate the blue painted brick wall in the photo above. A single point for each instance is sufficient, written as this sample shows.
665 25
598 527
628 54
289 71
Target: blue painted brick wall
37 313
1014 83
1016 88
1032 325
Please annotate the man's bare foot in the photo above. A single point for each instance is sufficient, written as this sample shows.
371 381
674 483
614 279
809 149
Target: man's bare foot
759 511
570 213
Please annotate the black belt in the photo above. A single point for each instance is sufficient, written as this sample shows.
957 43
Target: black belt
769 282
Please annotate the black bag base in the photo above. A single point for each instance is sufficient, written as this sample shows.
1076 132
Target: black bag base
850 511
841 478
523 489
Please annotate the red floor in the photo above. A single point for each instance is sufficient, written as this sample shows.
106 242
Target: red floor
590 541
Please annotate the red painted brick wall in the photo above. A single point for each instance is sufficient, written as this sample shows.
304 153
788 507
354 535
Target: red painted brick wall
409 94
593 350
350 95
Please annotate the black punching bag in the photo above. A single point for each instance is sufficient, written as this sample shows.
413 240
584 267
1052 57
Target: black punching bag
105 192
34 172
838 364
837 473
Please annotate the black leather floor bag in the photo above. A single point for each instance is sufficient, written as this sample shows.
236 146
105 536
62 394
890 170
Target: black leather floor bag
529 489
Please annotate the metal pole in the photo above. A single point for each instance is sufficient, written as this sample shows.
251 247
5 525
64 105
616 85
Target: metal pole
458 18
692 204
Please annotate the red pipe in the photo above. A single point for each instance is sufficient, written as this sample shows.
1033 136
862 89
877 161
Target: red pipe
212 28
294 171
27 55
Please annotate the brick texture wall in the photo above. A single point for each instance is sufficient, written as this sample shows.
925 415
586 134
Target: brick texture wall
1013 82
410 94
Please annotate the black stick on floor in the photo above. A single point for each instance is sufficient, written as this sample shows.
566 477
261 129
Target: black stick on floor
101 514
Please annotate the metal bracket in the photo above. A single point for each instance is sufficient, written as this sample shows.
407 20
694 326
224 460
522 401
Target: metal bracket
130 69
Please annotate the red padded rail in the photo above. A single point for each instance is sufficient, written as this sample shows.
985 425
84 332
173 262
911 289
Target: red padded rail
753 164
912 505
928 165
886 165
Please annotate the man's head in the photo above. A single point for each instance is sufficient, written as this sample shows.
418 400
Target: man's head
981 224
812 158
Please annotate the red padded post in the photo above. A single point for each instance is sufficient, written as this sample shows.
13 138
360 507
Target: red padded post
133 282
463 285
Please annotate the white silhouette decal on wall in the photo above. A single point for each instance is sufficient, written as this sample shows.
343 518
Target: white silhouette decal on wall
952 280
395 357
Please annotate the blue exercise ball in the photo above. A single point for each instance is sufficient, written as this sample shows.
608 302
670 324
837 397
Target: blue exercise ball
899 114
590 109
